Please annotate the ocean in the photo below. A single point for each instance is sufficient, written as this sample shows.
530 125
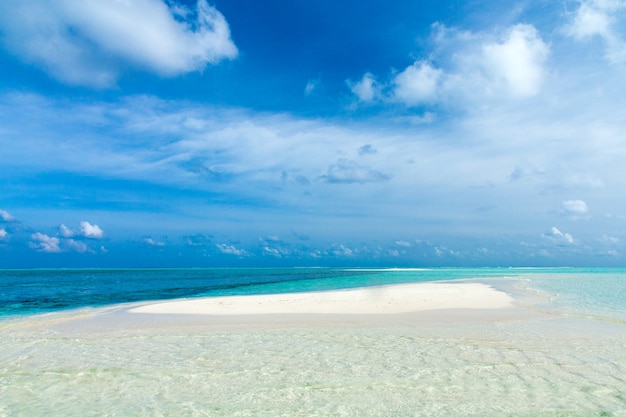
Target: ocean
567 359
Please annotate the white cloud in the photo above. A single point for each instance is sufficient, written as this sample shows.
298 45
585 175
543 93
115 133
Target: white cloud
311 86
474 66
589 21
66 231
433 167
517 63
417 84
151 242
88 42
45 243
341 250
442 251
366 90
600 18
556 235
6 216
575 208
230 249
91 231
3 233
272 252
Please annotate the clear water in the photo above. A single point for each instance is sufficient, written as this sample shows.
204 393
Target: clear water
570 360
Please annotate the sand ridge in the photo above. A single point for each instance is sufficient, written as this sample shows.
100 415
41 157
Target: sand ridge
390 299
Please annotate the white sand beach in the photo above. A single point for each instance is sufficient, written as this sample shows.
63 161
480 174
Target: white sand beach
392 299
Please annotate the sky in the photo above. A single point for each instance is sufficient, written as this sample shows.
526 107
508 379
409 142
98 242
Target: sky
159 133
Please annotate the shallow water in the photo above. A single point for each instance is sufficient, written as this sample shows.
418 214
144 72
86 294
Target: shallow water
568 359
483 369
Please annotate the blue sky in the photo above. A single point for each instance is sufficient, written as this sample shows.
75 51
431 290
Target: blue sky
240 133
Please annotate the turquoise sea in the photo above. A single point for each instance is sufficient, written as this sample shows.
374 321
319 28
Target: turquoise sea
68 349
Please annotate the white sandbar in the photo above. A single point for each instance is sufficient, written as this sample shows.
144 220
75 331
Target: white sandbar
391 299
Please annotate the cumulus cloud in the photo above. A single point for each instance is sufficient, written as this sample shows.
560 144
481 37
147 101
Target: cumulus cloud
517 61
417 84
230 249
275 252
341 250
346 172
44 243
6 216
3 233
598 18
574 208
91 231
508 64
88 42
87 230
367 89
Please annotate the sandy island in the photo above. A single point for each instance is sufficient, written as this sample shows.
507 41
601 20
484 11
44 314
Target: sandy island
391 299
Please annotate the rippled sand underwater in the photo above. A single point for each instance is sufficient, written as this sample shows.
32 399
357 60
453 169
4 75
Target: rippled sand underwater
545 366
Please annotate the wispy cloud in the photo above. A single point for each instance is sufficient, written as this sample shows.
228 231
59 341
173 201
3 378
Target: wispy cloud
347 171
311 86
559 237
77 246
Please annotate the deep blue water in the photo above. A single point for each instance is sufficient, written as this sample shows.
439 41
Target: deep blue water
46 290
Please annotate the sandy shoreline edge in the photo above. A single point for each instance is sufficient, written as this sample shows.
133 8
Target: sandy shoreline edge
389 299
